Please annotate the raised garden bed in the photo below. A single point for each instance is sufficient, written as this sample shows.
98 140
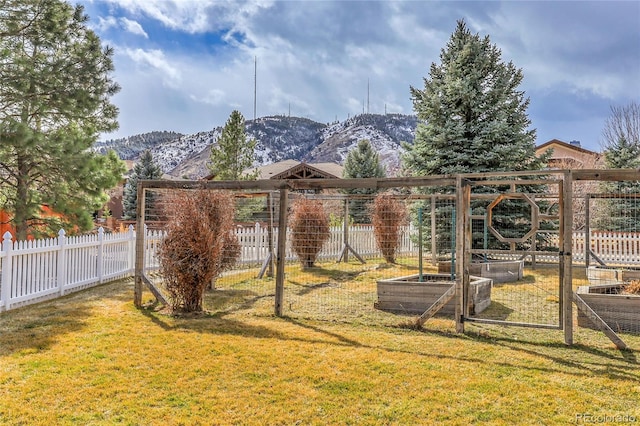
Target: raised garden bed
618 275
500 271
409 295
620 311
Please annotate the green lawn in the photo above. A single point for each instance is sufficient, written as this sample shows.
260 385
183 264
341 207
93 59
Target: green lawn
92 358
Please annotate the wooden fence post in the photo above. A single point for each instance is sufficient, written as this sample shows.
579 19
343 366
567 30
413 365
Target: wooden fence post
566 263
62 261
7 247
282 248
131 237
141 236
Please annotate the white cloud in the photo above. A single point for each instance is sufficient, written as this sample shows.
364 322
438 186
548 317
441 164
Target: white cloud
106 23
133 27
318 56
212 97
195 16
155 59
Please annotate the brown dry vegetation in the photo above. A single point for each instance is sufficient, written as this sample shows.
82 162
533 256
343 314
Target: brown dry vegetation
309 228
388 215
632 288
199 245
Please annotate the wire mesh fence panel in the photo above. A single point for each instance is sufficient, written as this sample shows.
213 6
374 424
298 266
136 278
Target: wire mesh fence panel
217 240
612 255
387 254
515 243
373 239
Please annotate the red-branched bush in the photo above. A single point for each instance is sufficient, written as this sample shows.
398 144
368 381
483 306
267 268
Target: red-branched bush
199 245
388 215
309 227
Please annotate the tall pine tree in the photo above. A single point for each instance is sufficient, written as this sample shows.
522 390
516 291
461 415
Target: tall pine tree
233 153
146 168
362 162
472 119
55 85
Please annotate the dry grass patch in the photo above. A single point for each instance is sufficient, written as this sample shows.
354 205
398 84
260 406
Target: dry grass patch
92 358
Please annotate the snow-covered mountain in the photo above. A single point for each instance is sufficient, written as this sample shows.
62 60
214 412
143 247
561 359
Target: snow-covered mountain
280 138
129 148
384 132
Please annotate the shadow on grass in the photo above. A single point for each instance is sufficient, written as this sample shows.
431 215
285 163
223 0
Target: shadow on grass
595 362
220 303
342 339
213 323
339 275
625 369
495 311
301 289
34 328
37 327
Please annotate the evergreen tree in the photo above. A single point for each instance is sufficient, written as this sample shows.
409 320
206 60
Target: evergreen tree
362 162
234 153
472 118
621 214
55 87
146 168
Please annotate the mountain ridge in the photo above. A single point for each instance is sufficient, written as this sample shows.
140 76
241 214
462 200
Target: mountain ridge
278 138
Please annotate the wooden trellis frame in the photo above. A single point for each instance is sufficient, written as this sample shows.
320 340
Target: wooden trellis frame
461 182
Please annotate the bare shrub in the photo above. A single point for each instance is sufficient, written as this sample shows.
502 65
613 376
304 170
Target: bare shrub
632 288
309 227
388 215
199 245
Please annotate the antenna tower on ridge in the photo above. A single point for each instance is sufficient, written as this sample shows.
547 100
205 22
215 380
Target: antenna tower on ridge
367 96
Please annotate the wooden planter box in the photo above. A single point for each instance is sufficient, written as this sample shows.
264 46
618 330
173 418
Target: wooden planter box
500 271
598 275
410 296
621 312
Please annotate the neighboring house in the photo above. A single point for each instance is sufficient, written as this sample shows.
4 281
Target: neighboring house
116 194
570 155
7 226
293 169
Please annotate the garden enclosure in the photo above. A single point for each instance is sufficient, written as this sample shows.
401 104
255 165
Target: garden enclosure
535 220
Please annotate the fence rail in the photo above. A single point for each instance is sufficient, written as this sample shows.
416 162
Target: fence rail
37 270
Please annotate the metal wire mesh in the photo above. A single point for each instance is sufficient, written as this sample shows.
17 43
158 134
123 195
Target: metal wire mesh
611 244
350 266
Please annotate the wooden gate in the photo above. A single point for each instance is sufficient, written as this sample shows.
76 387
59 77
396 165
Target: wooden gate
512 231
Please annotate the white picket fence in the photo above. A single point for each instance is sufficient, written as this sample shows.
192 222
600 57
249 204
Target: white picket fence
33 271
254 243
36 270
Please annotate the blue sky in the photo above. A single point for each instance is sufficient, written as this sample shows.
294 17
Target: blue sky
184 65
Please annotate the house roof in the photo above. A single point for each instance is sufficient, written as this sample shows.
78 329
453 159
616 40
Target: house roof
568 155
577 148
293 169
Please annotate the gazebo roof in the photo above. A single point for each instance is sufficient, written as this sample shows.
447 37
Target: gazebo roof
293 169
